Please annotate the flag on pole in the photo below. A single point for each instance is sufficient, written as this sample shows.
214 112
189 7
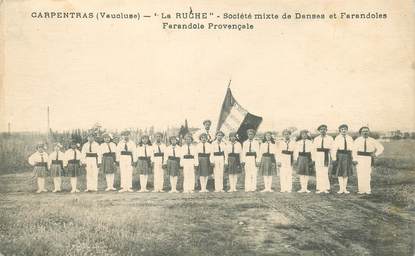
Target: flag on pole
234 118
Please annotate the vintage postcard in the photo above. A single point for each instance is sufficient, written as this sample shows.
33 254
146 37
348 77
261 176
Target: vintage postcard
207 127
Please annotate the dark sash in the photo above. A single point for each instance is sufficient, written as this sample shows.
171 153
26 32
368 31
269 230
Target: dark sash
270 155
362 153
250 154
144 158
89 154
74 161
158 154
291 153
306 154
203 155
342 151
174 158
128 153
219 153
326 155
188 157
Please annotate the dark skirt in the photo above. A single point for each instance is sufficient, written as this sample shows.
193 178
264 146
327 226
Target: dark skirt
108 164
204 168
73 170
144 166
234 164
344 165
304 166
56 170
40 171
173 167
267 167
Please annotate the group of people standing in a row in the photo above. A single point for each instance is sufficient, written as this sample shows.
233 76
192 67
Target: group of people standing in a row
212 155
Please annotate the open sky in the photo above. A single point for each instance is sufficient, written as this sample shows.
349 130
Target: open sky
135 74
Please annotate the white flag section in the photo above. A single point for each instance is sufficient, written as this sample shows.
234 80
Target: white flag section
234 118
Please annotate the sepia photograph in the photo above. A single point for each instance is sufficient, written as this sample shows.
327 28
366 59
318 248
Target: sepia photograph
207 128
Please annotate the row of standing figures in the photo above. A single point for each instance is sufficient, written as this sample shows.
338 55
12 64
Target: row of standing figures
323 156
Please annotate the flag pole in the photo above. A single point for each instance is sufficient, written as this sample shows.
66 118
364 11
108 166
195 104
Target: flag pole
229 84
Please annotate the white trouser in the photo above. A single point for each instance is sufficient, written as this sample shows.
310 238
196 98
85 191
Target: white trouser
286 178
126 172
219 162
250 173
173 183
188 175
57 183
342 184
322 178
364 170
91 173
74 181
158 173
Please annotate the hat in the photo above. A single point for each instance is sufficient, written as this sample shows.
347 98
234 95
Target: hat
203 134
220 132
363 127
321 126
173 137
207 121
158 133
109 135
250 130
344 126
90 135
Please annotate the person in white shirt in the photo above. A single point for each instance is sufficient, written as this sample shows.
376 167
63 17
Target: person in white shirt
72 162
158 158
55 164
39 161
249 157
207 124
204 163
304 161
172 162
189 162
144 165
342 158
322 157
233 160
365 149
286 148
126 155
267 159
218 159
91 158
108 151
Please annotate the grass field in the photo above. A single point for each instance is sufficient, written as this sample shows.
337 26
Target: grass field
241 223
